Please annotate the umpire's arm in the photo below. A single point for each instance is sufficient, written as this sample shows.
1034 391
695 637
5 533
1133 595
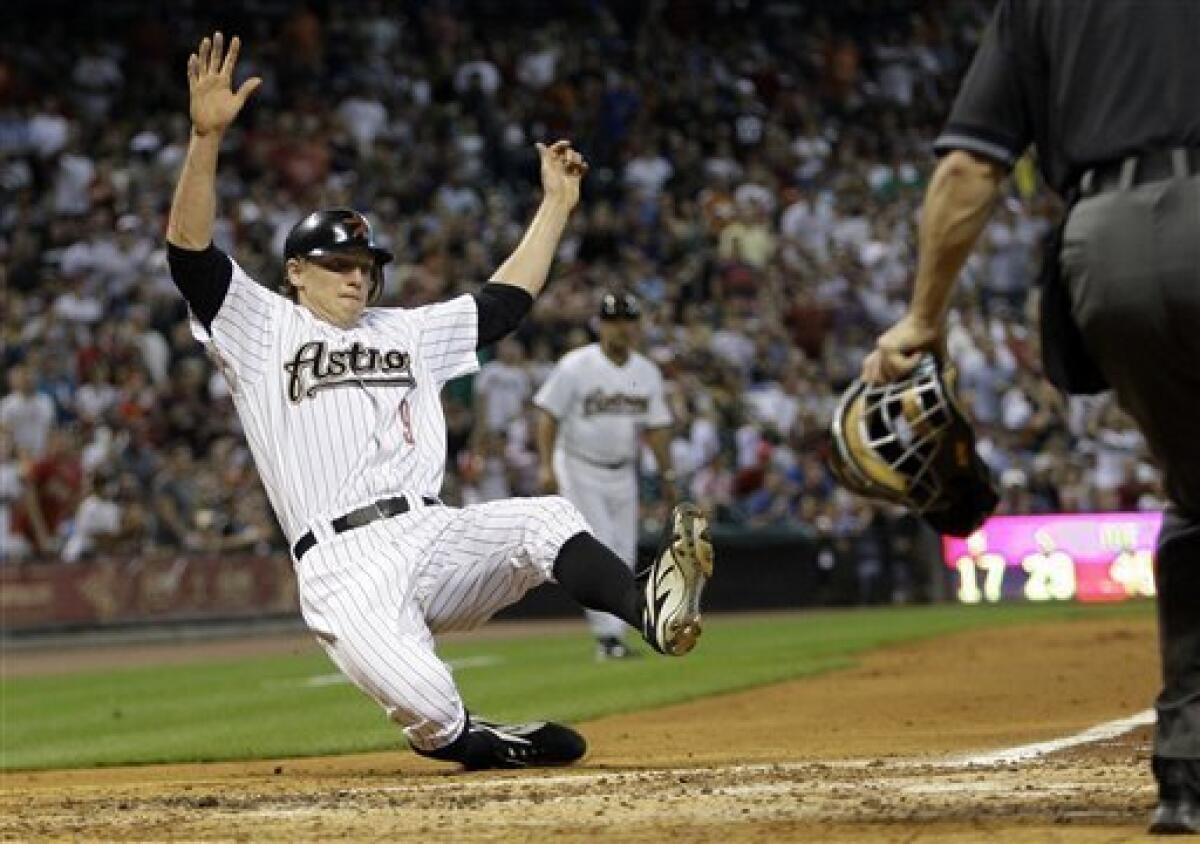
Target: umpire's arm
957 205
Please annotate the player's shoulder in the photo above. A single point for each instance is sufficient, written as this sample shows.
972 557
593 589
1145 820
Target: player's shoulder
645 364
393 319
581 356
258 289
453 307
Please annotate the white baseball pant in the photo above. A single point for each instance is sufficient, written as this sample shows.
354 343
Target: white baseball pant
375 596
608 500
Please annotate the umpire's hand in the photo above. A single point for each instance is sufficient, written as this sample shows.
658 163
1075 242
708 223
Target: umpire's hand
214 104
900 348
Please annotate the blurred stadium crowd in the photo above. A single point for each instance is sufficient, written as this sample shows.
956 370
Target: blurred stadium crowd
756 173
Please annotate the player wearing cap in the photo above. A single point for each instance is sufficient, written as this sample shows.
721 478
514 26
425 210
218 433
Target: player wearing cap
340 404
593 408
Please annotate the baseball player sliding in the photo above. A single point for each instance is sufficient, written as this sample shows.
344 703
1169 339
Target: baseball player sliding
592 410
340 405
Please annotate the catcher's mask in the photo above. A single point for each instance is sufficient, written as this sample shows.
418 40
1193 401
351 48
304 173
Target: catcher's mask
333 230
909 443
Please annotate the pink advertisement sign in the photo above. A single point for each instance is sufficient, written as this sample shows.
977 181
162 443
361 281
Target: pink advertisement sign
1056 557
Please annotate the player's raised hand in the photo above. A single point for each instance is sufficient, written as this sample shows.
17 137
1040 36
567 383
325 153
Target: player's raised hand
214 103
562 171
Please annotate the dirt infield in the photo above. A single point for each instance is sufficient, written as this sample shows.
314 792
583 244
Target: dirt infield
882 752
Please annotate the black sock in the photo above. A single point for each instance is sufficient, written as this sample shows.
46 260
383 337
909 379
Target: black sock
598 579
474 749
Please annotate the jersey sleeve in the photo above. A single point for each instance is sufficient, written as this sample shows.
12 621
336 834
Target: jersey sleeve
659 415
448 334
241 336
990 116
555 394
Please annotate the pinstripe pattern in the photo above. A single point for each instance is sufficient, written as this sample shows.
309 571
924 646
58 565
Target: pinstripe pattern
344 447
328 439
375 596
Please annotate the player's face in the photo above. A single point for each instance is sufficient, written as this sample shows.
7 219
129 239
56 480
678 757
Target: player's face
619 334
335 287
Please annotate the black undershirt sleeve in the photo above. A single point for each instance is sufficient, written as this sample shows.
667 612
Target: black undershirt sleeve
203 277
501 309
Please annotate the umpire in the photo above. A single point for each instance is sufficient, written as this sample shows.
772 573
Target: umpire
1109 93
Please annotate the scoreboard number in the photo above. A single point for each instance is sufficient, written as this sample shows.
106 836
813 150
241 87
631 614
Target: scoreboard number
1051 571
978 560
1133 570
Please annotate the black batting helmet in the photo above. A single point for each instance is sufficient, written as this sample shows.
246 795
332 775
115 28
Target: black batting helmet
333 230
620 306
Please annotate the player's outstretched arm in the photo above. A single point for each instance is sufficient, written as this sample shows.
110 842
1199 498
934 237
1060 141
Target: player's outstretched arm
529 265
213 106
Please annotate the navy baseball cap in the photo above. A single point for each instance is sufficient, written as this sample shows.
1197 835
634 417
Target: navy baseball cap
620 306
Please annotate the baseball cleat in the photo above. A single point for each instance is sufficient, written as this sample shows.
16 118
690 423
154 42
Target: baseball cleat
535 745
674 581
1175 817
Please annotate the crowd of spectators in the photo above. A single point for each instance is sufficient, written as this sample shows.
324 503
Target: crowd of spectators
756 174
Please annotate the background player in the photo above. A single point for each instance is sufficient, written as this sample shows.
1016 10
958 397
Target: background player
1107 92
592 410
340 406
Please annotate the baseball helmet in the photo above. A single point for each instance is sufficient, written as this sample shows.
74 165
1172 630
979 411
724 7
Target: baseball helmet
620 306
332 230
909 443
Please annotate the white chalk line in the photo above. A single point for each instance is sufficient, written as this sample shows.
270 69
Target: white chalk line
1022 753
1000 758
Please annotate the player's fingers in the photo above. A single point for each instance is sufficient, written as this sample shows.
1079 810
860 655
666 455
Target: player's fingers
235 46
202 54
193 67
214 61
248 88
559 147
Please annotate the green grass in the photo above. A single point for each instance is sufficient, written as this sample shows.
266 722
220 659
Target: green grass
263 708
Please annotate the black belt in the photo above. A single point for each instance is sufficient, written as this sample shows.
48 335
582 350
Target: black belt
384 508
1145 167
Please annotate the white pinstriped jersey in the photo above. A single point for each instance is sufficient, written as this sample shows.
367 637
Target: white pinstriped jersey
600 406
338 418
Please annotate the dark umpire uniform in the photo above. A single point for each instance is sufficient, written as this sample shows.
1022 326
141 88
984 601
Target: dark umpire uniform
1109 93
